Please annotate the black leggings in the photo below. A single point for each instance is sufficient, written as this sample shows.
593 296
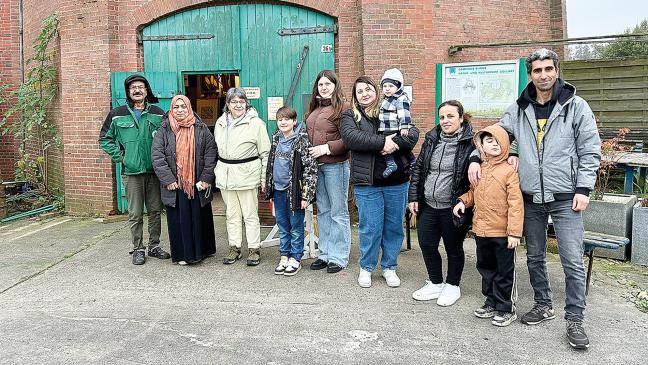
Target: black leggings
432 225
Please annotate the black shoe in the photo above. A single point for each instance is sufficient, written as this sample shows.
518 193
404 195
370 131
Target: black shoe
318 264
539 313
138 257
158 252
333 268
576 335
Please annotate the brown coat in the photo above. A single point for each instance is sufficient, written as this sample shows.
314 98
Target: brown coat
324 128
499 208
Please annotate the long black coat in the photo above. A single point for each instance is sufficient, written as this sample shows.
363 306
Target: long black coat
163 154
365 143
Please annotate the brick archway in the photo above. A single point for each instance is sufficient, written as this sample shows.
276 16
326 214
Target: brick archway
157 9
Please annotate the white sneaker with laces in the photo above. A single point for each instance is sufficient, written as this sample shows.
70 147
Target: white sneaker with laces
364 279
392 279
281 267
429 291
449 295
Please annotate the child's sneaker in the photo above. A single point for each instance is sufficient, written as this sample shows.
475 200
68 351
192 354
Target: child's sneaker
503 319
485 311
283 262
292 268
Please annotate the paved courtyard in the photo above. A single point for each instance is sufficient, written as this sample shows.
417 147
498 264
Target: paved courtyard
69 294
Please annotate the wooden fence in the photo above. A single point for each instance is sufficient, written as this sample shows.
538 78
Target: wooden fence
617 92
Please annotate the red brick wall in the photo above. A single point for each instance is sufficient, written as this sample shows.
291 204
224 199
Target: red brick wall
100 37
10 75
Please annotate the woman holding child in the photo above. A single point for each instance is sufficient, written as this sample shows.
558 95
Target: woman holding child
381 199
438 179
323 127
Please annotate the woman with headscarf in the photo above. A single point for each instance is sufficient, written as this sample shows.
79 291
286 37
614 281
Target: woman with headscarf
184 155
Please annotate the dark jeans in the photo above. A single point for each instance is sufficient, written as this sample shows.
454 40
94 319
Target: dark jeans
291 226
496 264
568 225
432 225
144 189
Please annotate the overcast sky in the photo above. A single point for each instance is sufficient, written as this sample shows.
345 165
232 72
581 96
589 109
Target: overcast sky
587 18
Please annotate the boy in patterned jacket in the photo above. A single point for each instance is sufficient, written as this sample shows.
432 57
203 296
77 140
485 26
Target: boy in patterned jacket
291 180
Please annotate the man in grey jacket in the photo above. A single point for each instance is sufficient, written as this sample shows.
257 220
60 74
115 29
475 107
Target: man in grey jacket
559 153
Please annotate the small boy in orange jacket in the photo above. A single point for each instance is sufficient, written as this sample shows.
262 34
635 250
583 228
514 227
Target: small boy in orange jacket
497 224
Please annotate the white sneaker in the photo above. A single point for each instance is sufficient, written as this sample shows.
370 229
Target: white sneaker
364 279
391 278
292 268
281 267
449 295
429 291
182 263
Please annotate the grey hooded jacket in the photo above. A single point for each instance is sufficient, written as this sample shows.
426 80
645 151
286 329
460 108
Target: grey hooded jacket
568 158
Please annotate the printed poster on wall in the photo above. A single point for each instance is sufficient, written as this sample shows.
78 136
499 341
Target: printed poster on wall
485 89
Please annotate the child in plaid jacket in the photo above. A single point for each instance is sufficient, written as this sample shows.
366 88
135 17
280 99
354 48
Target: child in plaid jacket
394 112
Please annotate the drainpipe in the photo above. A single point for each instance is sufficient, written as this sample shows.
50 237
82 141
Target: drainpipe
21 33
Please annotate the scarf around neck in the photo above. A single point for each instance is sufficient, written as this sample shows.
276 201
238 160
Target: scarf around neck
185 146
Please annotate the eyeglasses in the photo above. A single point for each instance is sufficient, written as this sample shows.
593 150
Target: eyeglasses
137 88
238 102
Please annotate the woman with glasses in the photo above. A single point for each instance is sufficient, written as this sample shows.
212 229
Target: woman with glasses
243 148
184 155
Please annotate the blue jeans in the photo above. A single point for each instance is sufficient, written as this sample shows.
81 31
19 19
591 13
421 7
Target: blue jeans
291 226
381 213
569 233
333 213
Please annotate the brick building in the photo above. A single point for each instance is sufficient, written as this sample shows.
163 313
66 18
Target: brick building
100 38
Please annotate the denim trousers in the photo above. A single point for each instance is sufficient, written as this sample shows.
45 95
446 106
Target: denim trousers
144 190
432 225
568 225
333 221
291 226
381 211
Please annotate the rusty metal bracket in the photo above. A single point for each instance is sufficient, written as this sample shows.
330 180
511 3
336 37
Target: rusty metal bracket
181 37
308 30
293 84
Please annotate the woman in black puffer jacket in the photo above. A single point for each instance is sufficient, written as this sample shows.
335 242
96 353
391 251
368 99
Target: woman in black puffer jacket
381 200
439 177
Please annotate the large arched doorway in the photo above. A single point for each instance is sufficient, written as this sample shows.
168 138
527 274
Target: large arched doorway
275 51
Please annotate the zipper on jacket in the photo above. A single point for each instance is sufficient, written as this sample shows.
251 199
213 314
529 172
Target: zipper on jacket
437 178
538 154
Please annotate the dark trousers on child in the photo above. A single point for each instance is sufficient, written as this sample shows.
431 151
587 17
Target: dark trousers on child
496 264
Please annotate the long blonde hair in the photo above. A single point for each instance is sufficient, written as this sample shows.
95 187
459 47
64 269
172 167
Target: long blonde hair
371 110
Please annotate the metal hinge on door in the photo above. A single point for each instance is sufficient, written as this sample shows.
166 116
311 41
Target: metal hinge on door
308 30
180 37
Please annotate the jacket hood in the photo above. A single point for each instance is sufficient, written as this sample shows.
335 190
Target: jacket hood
562 92
394 74
502 138
150 97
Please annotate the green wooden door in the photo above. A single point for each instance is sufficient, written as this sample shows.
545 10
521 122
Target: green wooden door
245 39
164 85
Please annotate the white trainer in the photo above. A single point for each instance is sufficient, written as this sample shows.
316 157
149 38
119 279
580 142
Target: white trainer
364 279
449 295
391 278
429 291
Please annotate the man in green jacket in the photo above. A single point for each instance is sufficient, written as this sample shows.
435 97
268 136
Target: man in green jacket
126 136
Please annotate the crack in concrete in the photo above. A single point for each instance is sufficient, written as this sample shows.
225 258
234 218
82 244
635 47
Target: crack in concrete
65 257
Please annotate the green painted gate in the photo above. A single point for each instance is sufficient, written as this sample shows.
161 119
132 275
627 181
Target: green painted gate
244 39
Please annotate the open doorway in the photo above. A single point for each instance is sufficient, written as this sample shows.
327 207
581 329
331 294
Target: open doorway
207 91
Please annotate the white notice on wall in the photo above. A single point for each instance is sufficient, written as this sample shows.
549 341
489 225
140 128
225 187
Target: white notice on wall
252 92
274 103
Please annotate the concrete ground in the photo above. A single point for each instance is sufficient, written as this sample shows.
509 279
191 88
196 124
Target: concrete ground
69 294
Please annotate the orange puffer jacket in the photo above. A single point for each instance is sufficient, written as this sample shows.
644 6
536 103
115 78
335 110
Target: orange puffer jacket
499 208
